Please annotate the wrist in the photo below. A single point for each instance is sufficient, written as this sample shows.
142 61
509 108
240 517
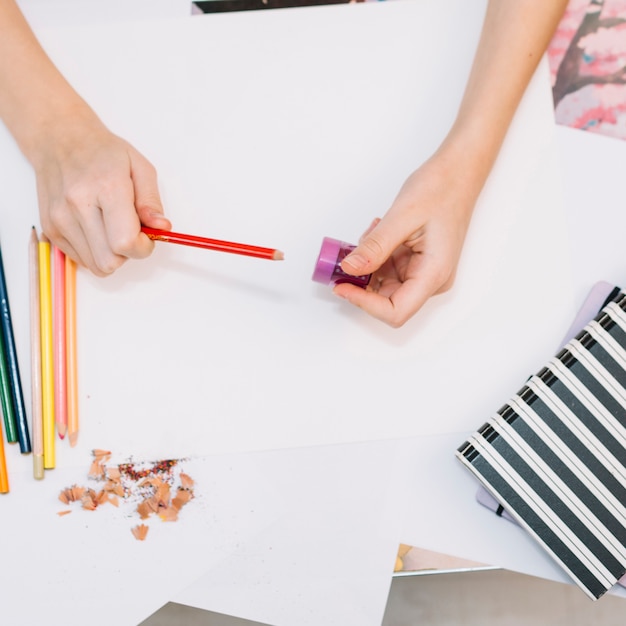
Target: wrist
55 128
466 160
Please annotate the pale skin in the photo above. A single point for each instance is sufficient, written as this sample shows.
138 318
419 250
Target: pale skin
94 189
414 250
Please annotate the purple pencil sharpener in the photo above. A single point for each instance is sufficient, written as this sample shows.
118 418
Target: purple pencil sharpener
328 267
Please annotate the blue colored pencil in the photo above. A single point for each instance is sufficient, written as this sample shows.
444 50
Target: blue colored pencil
8 339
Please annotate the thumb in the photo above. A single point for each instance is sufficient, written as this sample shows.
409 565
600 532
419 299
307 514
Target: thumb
147 198
375 247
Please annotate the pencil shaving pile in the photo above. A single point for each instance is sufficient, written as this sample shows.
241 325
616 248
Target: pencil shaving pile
151 486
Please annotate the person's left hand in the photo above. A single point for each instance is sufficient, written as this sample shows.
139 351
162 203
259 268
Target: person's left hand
413 251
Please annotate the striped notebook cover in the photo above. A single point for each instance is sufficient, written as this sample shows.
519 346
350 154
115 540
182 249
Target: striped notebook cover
555 454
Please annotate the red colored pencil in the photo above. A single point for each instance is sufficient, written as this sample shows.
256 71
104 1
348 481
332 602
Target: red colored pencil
213 244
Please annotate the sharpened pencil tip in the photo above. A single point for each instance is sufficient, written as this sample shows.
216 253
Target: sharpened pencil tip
73 439
278 255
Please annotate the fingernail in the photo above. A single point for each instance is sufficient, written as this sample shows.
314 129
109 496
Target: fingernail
357 261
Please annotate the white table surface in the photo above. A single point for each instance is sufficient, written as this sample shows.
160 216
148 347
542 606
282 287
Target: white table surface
46 13
278 129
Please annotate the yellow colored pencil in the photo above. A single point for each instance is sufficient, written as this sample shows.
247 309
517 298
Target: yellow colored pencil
59 339
47 354
71 352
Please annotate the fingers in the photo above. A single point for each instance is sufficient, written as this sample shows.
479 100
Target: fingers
375 246
392 296
147 199
127 205
396 308
98 221
83 238
83 258
406 280
410 260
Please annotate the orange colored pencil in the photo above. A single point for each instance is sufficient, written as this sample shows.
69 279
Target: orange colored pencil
58 333
4 476
71 352
213 244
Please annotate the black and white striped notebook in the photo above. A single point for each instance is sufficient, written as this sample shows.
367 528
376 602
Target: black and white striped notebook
555 455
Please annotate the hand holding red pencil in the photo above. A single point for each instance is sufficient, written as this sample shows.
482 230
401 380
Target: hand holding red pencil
94 196
95 190
213 244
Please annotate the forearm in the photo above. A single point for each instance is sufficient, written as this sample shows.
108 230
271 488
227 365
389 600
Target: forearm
515 35
34 96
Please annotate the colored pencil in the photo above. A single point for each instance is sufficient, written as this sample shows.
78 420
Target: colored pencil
58 334
4 476
35 354
47 357
10 426
213 244
72 368
13 369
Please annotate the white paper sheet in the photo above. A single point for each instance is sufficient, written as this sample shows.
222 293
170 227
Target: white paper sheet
278 128
291 536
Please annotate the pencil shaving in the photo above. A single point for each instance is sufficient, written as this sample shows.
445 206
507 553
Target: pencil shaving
113 473
170 514
140 531
186 481
182 497
71 494
77 492
145 509
151 485
90 500
97 470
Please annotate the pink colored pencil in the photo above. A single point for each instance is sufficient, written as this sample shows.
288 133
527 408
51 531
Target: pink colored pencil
72 367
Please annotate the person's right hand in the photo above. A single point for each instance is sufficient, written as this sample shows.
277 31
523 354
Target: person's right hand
95 192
